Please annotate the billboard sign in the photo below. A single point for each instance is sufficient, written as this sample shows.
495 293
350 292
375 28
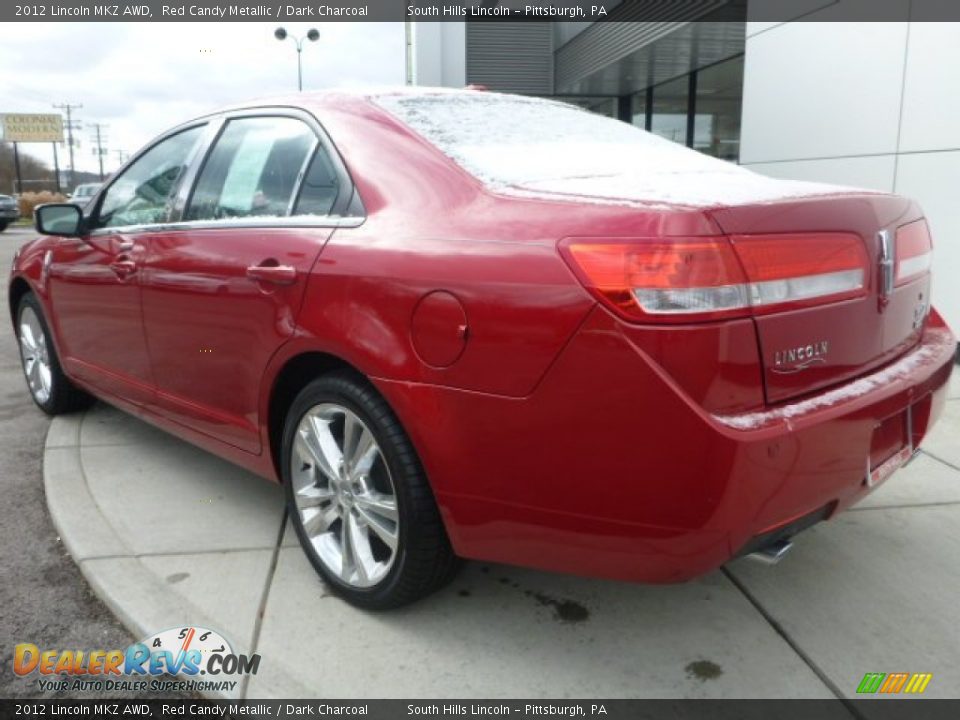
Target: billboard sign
29 128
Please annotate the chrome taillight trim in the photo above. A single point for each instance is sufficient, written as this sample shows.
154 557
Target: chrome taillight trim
764 294
887 262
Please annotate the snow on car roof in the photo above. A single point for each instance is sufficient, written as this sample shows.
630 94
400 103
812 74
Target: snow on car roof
544 148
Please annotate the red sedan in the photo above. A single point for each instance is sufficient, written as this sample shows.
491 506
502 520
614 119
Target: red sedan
463 324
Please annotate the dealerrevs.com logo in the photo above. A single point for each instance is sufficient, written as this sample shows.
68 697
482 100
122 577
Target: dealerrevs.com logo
203 657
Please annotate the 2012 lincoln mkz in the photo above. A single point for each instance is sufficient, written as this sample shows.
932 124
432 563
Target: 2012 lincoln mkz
459 324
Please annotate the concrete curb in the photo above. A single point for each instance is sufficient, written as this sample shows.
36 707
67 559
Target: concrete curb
139 600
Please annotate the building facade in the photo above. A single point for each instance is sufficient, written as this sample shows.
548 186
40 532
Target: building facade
875 105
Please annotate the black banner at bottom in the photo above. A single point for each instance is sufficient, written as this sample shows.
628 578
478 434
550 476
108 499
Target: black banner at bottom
878 709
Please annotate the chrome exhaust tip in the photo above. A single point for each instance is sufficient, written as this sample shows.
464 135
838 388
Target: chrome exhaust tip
772 553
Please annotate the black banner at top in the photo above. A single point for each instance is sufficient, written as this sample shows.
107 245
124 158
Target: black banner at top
477 10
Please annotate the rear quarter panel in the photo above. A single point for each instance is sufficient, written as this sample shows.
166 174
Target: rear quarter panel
430 226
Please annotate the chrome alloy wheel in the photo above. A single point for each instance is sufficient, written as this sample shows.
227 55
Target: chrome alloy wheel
36 358
344 495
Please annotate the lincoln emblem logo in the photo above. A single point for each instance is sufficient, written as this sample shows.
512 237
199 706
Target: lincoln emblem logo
800 358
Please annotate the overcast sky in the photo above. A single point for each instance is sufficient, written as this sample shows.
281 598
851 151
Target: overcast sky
142 78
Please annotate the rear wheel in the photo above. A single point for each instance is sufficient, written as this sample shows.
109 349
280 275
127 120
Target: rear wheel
3 225
51 390
358 497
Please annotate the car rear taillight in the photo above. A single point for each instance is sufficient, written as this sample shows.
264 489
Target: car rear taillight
802 268
914 255
693 279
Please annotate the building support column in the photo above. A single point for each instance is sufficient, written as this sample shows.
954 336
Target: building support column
691 108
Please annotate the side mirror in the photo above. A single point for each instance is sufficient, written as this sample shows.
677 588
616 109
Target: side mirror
59 219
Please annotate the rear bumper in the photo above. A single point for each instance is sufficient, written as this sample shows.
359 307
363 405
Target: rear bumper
609 469
9 214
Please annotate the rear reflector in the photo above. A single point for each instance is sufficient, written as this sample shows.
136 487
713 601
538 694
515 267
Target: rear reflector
688 279
914 256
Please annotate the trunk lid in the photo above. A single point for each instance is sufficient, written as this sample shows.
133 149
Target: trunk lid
807 349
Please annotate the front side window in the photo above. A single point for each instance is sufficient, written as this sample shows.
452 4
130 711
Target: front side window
252 170
143 193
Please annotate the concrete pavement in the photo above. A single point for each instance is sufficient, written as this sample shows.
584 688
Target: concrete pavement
168 535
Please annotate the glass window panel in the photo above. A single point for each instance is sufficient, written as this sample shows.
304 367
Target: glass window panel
606 107
719 99
638 109
253 169
320 186
669 112
143 193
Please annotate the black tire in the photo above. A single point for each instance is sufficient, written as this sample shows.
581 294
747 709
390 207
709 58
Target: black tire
64 396
423 560
3 225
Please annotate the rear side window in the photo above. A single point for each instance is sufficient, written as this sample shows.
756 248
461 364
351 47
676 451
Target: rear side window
252 170
321 186
143 193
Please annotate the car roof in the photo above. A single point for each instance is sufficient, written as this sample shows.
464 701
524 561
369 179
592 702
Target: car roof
340 97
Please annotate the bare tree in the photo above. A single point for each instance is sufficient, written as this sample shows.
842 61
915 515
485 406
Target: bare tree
36 174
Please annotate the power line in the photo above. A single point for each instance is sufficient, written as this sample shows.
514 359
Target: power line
70 127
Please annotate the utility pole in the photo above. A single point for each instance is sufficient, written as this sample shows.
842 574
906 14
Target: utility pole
100 138
56 168
70 126
16 163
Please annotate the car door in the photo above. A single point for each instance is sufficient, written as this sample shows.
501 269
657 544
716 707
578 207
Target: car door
222 288
94 281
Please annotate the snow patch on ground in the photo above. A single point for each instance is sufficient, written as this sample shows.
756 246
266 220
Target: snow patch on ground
935 341
541 148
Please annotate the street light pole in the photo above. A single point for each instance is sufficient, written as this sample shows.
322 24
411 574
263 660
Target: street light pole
312 35
299 67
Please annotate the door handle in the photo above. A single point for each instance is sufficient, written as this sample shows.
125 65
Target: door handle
276 274
123 268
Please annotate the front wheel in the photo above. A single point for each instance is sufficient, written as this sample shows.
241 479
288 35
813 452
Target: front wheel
51 390
358 497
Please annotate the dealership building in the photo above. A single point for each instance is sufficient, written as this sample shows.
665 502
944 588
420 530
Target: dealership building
872 105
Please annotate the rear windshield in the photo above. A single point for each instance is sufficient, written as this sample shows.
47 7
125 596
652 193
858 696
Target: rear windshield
535 147
510 140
